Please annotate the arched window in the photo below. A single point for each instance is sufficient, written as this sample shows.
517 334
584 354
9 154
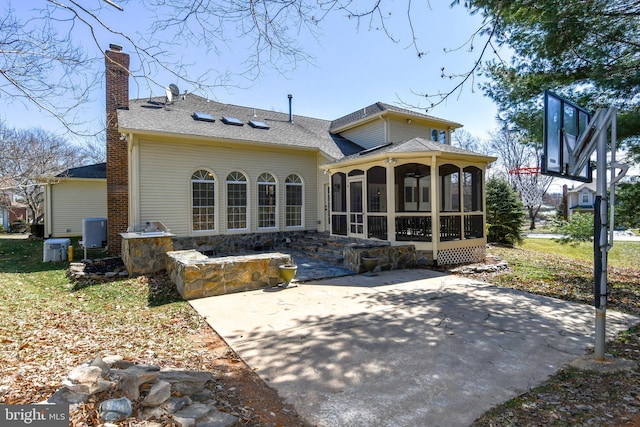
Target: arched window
203 201
294 201
266 201
236 201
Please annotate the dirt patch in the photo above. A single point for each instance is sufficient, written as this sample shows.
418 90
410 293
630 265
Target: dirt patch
261 404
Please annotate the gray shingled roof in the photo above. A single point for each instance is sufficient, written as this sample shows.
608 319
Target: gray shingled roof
379 108
97 171
177 118
415 145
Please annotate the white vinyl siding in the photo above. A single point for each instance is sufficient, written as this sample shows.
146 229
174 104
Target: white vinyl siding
165 171
71 201
368 135
400 130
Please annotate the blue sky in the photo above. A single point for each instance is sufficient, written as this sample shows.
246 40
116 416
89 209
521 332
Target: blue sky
352 68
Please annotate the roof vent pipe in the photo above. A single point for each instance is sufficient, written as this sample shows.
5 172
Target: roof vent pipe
290 112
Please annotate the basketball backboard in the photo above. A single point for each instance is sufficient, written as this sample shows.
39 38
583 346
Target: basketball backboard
564 123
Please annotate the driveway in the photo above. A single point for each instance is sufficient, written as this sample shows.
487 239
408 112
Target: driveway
402 348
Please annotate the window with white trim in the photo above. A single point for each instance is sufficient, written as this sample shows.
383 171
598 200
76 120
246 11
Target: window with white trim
236 201
585 198
203 201
294 201
266 201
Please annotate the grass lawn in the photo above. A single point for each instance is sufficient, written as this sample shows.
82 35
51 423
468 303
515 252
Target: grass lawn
49 325
622 254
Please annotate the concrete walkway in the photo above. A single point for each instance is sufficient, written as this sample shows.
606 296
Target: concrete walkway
402 348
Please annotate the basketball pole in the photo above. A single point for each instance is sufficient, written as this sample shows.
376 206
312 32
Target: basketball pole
600 247
603 223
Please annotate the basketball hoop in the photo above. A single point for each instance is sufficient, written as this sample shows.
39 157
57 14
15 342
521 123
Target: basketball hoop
528 186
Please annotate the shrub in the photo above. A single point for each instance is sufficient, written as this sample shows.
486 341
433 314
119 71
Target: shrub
579 228
505 214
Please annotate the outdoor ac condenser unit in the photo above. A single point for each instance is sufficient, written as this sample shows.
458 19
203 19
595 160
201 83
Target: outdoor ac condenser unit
55 250
94 232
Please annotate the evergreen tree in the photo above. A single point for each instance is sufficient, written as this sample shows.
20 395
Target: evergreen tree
505 214
587 51
627 202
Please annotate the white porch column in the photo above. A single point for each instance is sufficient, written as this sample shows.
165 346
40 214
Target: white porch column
391 200
435 206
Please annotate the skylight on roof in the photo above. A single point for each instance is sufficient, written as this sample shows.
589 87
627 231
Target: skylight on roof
203 117
258 124
231 121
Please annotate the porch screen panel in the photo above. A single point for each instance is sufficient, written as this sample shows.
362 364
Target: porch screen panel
413 188
449 188
377 202
236 201
377 189
293 196
473 226
472 189
339 204
203 201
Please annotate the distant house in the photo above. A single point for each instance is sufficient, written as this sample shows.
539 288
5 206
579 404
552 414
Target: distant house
72 195
11 208
581 198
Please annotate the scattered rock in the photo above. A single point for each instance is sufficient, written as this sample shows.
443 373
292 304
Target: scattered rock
115 409
147 393
86 380
133 377
185 382
99 269
159 393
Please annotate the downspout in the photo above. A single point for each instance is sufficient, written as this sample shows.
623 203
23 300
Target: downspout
48 208
134 199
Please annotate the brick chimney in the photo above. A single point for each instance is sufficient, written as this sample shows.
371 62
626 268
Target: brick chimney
117 92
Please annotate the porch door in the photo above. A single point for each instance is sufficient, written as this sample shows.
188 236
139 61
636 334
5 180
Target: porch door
356 207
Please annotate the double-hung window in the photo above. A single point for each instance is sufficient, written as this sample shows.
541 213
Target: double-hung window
294 201
266 201
236 201
203 201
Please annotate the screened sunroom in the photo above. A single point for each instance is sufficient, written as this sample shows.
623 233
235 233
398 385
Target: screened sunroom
420 192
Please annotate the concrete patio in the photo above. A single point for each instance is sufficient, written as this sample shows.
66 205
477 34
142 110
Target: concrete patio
405 348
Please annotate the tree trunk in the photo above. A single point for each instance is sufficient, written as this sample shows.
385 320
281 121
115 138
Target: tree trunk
532 216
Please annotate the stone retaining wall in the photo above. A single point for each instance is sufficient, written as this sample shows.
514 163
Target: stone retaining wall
197 276
388 257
